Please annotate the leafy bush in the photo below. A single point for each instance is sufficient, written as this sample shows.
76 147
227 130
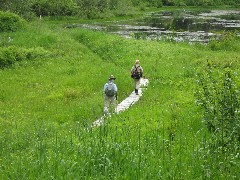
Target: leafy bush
229 42
9 55
53 8
10 22
219 96
96 8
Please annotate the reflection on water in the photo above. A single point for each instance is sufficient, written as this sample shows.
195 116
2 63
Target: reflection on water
174 26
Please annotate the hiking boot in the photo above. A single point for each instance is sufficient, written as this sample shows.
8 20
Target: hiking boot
136 91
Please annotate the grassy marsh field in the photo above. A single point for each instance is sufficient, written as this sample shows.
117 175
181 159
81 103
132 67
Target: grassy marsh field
47 107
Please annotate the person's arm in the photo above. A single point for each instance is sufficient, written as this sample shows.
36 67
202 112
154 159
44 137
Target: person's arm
104 88
132 70
115 90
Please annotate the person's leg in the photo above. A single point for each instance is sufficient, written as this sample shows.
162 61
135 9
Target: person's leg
137 85
106 105
112 104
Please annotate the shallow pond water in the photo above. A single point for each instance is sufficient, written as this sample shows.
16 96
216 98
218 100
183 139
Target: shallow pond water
190 26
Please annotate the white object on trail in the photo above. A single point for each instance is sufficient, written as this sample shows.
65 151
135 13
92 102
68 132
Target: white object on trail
126 103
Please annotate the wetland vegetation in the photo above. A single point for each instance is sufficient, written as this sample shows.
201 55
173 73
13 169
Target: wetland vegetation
185 126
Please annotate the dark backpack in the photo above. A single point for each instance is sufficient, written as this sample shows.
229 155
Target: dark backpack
109 91
136 74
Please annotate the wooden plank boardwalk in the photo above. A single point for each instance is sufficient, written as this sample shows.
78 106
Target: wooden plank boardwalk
126 103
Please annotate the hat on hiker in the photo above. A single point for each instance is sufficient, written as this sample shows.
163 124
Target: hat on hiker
111 77
137 61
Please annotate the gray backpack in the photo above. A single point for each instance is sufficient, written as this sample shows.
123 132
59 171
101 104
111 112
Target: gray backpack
109 91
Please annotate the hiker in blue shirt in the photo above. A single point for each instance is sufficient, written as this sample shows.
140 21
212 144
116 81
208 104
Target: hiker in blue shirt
110 91
136 74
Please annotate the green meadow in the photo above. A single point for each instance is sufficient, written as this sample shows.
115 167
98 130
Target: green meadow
50 98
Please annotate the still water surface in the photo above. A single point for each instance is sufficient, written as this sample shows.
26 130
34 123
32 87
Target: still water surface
190 26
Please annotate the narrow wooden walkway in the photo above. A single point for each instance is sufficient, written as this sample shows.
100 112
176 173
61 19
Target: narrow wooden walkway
126 103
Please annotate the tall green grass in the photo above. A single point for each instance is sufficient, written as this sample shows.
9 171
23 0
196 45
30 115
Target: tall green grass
48 105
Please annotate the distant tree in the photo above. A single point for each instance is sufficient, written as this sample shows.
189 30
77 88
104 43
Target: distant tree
103 5
94 8
113 4
20 7
137 2
156 3
179 2
122 7
54 8
4 4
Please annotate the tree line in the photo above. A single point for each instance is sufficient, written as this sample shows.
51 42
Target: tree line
95 8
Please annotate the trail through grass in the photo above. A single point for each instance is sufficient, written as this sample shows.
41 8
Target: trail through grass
47 107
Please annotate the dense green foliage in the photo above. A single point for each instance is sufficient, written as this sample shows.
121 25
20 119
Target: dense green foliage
10 55
52 8
97 8
52 93
220 98
10 22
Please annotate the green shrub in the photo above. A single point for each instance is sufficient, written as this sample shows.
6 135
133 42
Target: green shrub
10 22
219 96
9 55
229 42
52 8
